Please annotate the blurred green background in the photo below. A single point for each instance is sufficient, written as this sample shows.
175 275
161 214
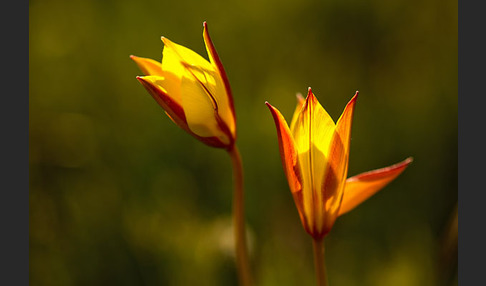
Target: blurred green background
120 196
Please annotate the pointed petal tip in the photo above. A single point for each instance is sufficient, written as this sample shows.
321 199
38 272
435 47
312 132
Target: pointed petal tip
309 93
407 161
205 25
403 163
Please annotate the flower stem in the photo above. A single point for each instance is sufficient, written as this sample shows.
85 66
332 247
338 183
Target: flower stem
319 261
242 261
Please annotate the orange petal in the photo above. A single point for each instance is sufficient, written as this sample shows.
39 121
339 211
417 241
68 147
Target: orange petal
288 152
362 186
338 157
343 126
148 66
291 165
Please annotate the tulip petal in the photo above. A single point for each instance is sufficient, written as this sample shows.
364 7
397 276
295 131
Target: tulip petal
298 108
224 97
337 168
313 126
174 110
313 132
148 66
174 53
343 125
288 152
200 108
171 107
362 186
290 162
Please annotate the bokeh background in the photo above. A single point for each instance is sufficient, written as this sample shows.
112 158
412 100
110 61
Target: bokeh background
120 196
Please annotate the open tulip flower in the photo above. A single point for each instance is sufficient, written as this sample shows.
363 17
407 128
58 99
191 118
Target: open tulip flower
315 152
194 92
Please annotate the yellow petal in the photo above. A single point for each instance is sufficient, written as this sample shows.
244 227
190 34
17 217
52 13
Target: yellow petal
171 107
168 84
298 108
200 108
174 110
148 66
359 188
177 53
313 132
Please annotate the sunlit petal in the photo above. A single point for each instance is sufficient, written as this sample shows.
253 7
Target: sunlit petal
171 107
313 131
362 186
174 52
298 108
199 108
223 93
288 152
148 66
343 126
337 167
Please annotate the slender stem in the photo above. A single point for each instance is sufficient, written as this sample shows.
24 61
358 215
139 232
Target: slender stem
242 261
319 262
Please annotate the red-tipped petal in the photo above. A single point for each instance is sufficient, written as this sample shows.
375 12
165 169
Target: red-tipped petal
343 125
288 151
215 60
338 157
173 109
176 113
360 187
290 162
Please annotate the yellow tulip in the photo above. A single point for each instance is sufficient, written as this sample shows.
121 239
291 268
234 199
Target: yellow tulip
195 93
315 153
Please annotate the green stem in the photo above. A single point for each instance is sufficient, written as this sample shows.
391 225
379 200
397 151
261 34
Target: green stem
242 261
319 261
